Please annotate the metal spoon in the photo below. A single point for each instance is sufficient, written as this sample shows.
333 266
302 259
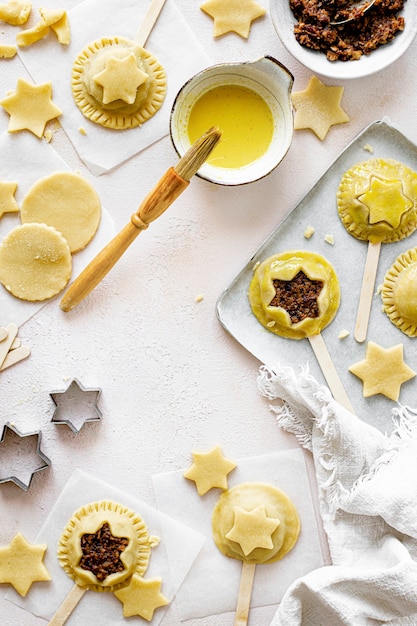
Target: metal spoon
354 9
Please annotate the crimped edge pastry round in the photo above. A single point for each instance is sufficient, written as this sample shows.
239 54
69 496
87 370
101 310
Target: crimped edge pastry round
35 262
285 266
124 116
399 292
356 181
123 522
249 496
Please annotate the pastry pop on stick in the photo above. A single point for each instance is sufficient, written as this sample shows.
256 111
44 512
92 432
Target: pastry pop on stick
296 294
116 82
255 523
377 202
103 547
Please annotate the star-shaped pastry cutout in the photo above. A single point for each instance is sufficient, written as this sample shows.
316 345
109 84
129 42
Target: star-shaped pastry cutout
297 296
382 371
30 107
385 201
76 406
21 564
101 552
209 470
232 15
141 597
19 456
8 203
318 107
252 529
120 79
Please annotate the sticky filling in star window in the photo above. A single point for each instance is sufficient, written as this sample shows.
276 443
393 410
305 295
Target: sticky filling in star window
101 552
297 296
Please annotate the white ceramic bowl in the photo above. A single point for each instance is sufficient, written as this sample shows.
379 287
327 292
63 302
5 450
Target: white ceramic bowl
268 78
284 20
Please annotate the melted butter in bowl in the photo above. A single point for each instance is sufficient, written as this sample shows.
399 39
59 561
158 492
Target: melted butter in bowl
251 103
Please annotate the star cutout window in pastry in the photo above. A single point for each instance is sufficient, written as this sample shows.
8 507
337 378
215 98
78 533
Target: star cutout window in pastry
232 15
297 296
30 107
141 597
76 406
120 79
21 564
385 201
318 107
101 552
252 529
209 470
382 371
8 203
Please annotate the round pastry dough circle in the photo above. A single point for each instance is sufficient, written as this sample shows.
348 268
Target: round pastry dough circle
250 496
117 115
355 182
285 266
67 202
399 295
35 262
123 522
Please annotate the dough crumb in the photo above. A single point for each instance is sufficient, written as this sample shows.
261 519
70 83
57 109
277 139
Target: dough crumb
368 148
48 134
329 239
309 232
82 130
343 334
199 298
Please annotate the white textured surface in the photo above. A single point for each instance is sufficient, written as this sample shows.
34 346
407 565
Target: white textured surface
171 378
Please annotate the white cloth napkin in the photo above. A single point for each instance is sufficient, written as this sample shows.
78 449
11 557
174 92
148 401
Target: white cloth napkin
367 485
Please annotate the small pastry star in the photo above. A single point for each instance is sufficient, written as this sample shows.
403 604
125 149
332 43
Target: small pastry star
30 107
252 529
209 469
318 107
8 203
386 201
382 371
120 79
141 597
232 15
21 564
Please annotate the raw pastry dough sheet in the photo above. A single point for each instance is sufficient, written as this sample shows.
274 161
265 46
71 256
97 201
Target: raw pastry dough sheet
24 159
348 255
171 42
171 559
204 591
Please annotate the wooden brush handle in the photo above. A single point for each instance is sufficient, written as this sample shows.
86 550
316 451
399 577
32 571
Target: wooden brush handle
156 202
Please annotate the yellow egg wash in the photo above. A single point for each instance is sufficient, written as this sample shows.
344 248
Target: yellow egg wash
244 118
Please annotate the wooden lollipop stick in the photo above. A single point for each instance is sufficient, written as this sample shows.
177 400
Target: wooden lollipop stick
329 371
169 187
367 291
148 23
245 593
68 605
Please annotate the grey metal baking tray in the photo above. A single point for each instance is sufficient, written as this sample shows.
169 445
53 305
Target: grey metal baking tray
347 255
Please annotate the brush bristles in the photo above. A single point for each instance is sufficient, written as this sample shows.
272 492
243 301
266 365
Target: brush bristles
198 153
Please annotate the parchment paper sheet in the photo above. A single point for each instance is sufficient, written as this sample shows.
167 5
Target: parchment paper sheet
171 42
170 560
24 159
212 585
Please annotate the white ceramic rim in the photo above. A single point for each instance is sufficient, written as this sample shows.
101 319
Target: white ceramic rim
284 20
234 73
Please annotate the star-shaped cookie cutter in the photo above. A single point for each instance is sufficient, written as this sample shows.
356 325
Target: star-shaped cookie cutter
3 442
75 406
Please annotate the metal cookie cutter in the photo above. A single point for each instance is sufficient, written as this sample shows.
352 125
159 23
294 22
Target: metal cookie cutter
76 406
16 457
